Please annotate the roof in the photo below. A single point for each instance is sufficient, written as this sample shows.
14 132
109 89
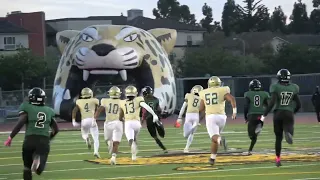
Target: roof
148 23
50 29
116 20
8 27
140 22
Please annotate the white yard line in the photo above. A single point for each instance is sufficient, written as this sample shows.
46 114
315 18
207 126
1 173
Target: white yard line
52 162
307 178
222 170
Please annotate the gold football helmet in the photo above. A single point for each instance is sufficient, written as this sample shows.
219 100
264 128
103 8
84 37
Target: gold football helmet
196 89
114 92
86 93
131 91
214 81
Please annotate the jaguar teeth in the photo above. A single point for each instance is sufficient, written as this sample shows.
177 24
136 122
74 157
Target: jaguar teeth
85 75
123 74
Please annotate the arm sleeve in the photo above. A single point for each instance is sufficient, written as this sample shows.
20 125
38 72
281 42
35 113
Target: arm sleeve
54 127
147 108
183 108
246 107
23 119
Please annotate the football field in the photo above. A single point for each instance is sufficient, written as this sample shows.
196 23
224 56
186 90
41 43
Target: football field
70 159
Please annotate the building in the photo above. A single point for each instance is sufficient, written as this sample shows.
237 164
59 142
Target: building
188 35
25 30
12 37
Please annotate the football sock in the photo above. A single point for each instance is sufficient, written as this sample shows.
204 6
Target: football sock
253 142
277 158
160 144
27 174
278 145
189 141
213 156
219 140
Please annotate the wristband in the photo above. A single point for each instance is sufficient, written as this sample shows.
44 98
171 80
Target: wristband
234 110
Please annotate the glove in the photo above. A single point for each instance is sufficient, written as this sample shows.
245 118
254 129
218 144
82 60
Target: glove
74 123
8 142
234 116
262 118
94 123
155 118
178 123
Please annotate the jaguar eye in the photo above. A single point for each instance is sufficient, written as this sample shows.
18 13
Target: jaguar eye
86 38
130 37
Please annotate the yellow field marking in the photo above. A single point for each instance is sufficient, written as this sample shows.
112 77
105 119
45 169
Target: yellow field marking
233 175
201 158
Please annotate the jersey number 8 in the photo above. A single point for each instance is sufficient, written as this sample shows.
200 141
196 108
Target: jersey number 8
211 98
41 119
256 101
195 102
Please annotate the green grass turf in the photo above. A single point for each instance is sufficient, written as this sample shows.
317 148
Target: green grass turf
68 152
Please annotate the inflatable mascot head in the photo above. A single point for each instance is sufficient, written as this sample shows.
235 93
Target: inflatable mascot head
104 50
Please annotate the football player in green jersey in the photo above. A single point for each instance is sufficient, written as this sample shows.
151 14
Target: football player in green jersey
39 119
284 96
152 127
255 101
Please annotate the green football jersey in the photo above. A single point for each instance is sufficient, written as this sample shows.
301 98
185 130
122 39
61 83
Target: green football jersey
39 119
257 99
153 102
285 94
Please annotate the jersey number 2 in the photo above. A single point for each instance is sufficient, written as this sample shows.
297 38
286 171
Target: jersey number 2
285 98
86 107
256 101
131 106
41 119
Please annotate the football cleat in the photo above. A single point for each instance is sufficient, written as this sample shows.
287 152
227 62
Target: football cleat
88 142
35 163
212 161
186 150
97 155
223 143
113 160
288 137
278 163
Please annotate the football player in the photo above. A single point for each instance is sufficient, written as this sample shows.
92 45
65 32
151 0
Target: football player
255 101
213 102
284 95
113 126
131 107
39 119
192 104
87 106
153 102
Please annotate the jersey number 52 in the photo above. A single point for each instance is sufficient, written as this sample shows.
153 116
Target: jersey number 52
211 98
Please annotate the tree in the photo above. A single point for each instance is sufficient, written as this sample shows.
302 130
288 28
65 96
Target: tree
316 3
300 21
172 9
315 17
230 18
22 67
278 20
255 16
206 22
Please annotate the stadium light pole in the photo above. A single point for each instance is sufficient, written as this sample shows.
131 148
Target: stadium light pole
243 44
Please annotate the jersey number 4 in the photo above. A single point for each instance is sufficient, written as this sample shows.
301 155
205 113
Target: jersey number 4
211 98
86 107
42 117
285 98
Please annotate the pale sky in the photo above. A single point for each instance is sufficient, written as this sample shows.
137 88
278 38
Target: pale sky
82 8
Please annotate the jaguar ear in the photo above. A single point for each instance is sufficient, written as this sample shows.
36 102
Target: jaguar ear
64 37
166 37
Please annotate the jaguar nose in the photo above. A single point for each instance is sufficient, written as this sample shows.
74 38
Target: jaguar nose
103 49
